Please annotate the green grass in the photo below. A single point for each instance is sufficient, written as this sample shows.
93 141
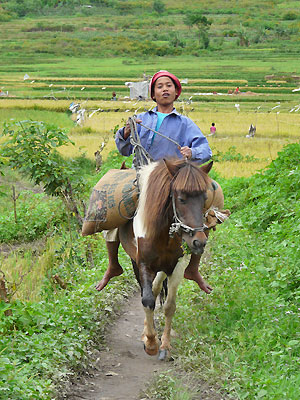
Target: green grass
108 41
47 334
241 340
62 120
244 335
43 343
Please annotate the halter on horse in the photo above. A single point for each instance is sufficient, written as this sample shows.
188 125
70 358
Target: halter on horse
170 210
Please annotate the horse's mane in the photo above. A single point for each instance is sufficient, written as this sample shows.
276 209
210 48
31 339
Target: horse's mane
167 176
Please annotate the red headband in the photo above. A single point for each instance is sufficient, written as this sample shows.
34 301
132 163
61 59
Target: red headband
159 74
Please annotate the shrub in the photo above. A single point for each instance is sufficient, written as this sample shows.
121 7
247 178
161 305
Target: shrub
290 16
159 6
31 148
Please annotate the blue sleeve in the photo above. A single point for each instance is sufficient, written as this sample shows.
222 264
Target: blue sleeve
123 145
201 151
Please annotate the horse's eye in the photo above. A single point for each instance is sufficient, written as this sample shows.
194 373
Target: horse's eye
181 200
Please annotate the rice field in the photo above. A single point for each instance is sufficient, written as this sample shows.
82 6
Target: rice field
272 105
275 124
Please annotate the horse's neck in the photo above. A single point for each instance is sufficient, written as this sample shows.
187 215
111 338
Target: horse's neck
140 230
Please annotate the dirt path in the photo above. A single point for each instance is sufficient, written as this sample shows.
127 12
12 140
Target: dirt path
123 369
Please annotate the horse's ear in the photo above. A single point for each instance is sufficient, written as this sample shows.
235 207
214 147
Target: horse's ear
170 167
207 167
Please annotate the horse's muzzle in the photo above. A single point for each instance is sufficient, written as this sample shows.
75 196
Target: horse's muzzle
198 246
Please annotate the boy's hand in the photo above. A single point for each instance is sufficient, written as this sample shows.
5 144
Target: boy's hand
127 128
186 152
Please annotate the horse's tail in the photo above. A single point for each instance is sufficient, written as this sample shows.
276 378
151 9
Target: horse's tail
164 292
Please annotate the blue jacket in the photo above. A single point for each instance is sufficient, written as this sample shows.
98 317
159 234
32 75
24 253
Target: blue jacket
176 126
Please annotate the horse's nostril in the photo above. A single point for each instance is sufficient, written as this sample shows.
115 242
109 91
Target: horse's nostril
197 244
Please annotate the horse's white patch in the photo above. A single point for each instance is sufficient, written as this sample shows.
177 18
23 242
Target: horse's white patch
177 275
158 282
138 221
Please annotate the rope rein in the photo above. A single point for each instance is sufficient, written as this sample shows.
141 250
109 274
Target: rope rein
141 156
160 134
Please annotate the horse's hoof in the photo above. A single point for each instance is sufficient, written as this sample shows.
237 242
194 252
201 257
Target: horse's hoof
151 352
163 355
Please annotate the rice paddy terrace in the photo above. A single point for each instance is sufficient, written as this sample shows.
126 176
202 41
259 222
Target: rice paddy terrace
271 88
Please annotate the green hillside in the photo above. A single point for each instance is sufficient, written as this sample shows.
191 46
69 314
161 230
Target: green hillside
250 44
33 31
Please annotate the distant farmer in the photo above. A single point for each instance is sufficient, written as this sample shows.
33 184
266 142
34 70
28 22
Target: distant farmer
212 129
114 96
165 88
252 131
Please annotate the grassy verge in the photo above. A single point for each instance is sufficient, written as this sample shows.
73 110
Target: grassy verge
44 343
54 317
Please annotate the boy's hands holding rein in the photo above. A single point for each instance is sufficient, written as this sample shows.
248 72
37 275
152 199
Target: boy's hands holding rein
127 128
186 152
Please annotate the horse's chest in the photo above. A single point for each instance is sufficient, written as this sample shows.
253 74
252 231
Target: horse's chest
167 260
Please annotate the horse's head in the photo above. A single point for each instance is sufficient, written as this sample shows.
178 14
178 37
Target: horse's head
175 188
188 193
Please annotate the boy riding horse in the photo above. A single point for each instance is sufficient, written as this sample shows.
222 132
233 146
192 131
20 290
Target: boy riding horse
165 88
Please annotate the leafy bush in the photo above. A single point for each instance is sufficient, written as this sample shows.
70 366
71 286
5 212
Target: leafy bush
5 16
31 148
290 16
268 205
159 6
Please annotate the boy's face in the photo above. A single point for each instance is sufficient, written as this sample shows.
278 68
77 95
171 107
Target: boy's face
165 91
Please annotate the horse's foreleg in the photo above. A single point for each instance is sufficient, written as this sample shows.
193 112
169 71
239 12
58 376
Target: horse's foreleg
170 307
149 336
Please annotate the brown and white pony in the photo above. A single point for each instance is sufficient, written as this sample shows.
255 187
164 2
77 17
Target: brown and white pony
170 210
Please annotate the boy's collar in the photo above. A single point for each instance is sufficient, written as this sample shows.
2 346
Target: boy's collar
174 111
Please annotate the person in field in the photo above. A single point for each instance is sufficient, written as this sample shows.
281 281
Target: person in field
213 129
164 88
